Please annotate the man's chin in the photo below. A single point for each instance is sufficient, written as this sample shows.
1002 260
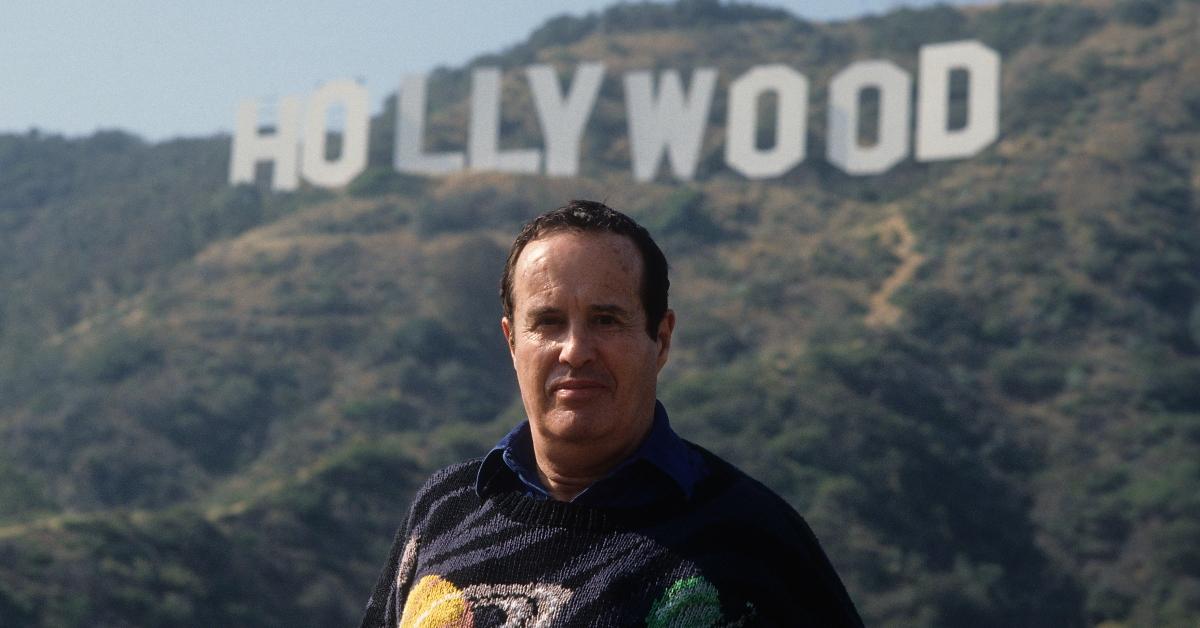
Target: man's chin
578 422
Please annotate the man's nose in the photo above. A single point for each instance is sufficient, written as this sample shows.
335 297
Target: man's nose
578 347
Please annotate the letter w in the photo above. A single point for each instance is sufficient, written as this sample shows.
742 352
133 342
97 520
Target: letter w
672 120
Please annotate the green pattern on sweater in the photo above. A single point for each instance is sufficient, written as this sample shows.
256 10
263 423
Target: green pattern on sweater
689 602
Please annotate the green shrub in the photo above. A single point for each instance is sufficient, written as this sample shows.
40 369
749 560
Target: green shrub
1171 191
469 209
1174 386
1064 24
1191 101
1019 201
716 341
119 355
1012 25
381 410
683 215
427 341
19 492
1030 374
940 316
905 30
1006 27
119 473
1193 324
379 180
15 611
1178 546
1138 12
317 298
1044 99
231 211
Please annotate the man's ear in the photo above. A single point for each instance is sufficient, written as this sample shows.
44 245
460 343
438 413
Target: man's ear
665 328
508 332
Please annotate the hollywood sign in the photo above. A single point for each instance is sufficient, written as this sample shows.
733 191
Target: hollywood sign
664 120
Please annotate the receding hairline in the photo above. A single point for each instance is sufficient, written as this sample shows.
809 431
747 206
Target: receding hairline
635 264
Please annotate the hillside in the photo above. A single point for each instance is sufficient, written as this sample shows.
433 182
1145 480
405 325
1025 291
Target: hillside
979 380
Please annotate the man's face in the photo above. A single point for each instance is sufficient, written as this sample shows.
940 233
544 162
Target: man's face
586 367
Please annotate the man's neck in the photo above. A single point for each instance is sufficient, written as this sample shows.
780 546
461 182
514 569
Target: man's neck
564 488
568 469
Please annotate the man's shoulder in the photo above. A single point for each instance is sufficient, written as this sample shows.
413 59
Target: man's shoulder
724 478
456 471
756 522
446 483
745 501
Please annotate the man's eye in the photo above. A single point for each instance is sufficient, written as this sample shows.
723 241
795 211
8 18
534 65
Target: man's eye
605 319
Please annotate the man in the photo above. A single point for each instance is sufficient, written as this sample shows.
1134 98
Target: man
594 512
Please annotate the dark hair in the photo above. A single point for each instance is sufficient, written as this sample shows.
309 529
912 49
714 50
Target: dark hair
590 216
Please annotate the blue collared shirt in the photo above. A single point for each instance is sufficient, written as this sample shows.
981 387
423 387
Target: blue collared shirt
663 467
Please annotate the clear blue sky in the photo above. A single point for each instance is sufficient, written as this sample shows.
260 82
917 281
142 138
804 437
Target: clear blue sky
163 69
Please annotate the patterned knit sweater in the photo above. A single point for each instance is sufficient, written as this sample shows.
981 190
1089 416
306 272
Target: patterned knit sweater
734 554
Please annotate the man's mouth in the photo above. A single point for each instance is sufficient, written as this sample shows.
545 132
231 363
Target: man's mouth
572 388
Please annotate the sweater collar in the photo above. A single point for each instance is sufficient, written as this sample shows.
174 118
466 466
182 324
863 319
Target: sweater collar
661 465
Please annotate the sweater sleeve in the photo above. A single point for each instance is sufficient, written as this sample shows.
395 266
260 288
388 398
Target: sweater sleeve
772 555
384 594
386 603
836 607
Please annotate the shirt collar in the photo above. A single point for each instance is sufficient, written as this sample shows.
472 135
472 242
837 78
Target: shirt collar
511 464
664 449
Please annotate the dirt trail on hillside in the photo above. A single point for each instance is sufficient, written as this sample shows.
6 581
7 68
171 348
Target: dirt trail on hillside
49 522
882 312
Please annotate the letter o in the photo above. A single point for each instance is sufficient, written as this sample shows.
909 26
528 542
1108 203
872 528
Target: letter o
741 153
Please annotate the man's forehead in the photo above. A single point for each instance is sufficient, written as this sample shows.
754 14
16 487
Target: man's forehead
602 267
562 249
537 308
